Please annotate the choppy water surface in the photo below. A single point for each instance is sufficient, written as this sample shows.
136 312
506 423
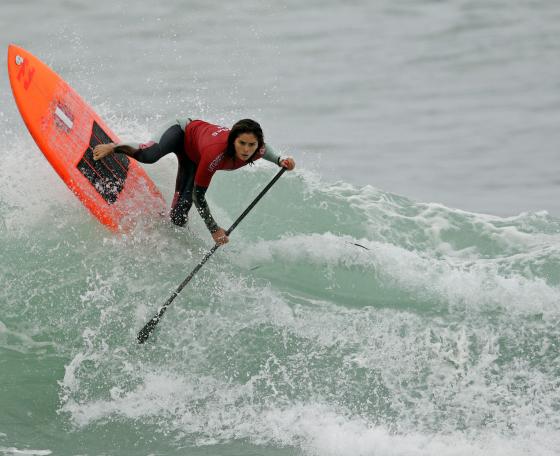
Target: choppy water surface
352 312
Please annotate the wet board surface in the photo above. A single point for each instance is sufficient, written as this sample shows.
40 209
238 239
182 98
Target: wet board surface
115 189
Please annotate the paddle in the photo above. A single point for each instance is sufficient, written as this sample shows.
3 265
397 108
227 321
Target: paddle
145 332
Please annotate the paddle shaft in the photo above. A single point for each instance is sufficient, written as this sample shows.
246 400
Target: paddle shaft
145 332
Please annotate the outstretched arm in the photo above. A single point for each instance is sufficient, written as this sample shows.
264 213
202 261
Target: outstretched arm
272 156
199 199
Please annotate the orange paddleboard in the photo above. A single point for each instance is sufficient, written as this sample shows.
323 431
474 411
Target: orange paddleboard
115 189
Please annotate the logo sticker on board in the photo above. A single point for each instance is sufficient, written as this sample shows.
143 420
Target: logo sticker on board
63 118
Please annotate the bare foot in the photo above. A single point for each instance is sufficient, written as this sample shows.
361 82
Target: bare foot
102 150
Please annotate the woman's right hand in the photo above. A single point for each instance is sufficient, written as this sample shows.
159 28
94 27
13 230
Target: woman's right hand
102 150
220 237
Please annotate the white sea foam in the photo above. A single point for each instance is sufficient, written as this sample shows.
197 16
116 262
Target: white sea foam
436 377
211 412
472 284
26 200
21 341
11 451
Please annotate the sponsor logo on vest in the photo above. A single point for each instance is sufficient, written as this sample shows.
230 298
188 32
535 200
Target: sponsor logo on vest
213 166
220 130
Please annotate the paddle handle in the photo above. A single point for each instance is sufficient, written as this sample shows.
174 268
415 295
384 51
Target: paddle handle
149 327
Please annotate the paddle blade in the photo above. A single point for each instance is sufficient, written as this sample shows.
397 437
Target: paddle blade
145 332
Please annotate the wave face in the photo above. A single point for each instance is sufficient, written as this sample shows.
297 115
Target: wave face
339 320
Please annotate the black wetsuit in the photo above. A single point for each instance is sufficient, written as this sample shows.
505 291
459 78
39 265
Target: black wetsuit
172 140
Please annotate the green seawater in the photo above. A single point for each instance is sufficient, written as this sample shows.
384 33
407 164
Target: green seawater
338 320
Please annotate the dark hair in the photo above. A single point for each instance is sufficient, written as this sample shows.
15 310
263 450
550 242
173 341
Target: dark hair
240 127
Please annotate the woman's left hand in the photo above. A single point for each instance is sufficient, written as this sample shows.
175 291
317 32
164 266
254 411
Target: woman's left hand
220 237
288 163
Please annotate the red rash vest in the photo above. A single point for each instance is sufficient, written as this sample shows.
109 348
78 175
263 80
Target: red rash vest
206 145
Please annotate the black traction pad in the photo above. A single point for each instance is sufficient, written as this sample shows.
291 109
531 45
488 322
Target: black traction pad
107 175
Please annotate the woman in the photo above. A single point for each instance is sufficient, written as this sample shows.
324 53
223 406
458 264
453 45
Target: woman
201 149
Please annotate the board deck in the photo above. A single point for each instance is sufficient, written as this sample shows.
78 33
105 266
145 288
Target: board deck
115 189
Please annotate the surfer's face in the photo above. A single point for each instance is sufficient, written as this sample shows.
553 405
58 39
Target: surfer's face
245 146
